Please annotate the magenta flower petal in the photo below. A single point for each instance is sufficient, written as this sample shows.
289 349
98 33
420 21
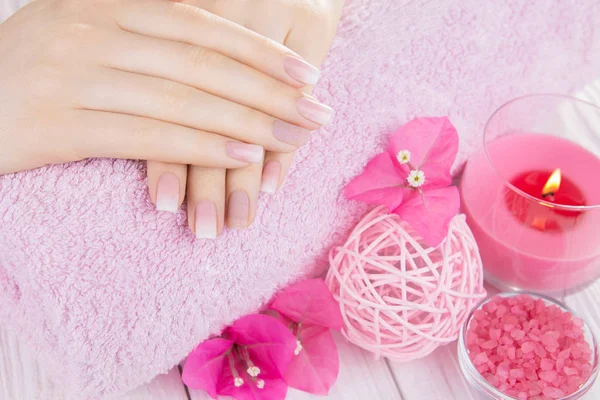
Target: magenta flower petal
309 302
429 213
380 183
270 344
315 368
433 144
206 364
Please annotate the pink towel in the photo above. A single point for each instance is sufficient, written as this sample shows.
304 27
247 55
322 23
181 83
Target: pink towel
110 292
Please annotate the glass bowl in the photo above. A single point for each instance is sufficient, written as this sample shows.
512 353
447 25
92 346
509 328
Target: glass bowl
486 389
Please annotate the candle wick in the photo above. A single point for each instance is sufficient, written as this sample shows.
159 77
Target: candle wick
544 195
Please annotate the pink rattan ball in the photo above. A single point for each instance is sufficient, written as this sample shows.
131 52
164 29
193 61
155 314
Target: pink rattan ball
400 298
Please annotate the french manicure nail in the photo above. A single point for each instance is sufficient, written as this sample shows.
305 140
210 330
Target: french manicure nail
239 207
245 152
206 220
270 177
290 134
167 193
314 111
301 71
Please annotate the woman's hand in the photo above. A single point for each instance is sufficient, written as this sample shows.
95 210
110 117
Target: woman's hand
145 79
305 26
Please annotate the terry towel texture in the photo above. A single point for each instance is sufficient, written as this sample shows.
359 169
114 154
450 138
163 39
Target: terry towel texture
110 292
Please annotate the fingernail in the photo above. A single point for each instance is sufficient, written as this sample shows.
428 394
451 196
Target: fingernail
290 134
314 111
301 71
206 220
270 177
239 206
167 193
245 152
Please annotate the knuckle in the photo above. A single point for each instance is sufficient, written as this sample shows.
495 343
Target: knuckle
176 97
200 58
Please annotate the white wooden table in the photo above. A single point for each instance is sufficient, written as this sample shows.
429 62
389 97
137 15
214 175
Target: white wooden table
436 377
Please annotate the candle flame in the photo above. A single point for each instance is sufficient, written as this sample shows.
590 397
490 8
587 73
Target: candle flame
553 184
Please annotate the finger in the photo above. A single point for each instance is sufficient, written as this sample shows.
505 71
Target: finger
213 73
188 24
243 186
276 165
206 201
119 91
275 169
166 183
125 136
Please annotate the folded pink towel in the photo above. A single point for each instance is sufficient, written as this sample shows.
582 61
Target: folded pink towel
111 292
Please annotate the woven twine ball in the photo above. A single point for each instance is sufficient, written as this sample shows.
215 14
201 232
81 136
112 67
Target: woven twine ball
400 298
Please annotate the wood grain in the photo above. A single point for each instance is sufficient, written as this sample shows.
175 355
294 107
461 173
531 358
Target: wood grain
21 378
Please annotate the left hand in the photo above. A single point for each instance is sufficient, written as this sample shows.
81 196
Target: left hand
304 26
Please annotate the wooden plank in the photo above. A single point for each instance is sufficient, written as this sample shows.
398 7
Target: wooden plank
22 378
361 377
435 377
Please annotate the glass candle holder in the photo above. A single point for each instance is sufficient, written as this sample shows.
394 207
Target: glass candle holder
532 195
486 390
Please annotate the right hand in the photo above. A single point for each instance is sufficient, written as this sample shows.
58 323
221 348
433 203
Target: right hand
144 79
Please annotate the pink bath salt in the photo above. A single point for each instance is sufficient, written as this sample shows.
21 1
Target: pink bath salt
480 315
495 333
502 309
527 347
560 364
547 376
517 373
540 351
492 379
553 393
502 372
550 339
490 344
491 307
483 368
546 364
570 371
480 359
517 334
564 354
534 336
518 310
529 356
578 322
533 388
511 353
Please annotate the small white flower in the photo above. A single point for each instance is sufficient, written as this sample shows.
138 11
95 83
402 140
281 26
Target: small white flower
298 347
403 156
253 371
416 178
260 384
238 382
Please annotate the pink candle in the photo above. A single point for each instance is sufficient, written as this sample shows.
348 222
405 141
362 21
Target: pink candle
528 239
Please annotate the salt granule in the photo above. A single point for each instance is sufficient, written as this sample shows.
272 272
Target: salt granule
528 349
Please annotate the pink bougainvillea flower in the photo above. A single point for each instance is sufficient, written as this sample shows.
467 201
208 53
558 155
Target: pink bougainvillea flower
412 177
310 311
247 363
309 302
